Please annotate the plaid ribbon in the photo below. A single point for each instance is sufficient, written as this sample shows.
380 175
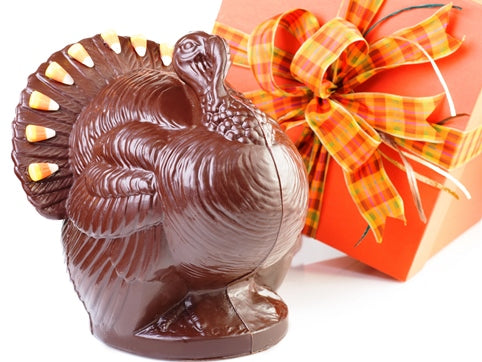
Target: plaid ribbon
308 74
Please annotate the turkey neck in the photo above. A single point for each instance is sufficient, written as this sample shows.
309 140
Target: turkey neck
232 117
215 110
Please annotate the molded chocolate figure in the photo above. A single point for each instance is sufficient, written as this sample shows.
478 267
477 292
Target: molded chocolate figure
182 203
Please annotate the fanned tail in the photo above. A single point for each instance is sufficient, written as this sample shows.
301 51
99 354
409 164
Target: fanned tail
50 104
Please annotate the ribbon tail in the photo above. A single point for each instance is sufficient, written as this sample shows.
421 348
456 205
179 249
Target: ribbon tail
319 160
422 178
315 158
399 116
458 147
374 195
411 177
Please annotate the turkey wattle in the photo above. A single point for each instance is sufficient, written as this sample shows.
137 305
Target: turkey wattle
182 203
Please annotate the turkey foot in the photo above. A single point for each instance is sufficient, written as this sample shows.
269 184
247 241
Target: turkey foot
240 319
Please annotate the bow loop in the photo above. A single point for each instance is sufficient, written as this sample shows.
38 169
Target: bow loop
336 46
271 48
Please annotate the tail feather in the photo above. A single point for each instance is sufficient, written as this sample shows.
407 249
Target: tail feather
49 195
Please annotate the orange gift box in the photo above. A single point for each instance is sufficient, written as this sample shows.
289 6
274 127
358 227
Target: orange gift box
407 244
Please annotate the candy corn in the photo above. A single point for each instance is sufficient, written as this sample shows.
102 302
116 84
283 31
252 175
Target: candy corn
139 43
56 72
78 52
166 53
35 133
42 102
39 171
112 40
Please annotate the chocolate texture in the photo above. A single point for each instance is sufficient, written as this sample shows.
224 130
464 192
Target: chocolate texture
182 203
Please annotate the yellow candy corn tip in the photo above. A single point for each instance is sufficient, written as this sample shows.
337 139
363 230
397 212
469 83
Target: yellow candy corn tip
78 52
56 72
35 133
112 40
39 171
42 102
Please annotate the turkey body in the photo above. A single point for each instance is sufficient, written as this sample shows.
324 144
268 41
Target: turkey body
181 217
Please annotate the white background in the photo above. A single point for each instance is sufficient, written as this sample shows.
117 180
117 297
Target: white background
340 310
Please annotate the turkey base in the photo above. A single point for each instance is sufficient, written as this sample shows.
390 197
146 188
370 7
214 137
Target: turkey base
238 320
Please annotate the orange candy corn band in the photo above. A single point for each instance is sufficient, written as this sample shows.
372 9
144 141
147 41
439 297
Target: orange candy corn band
39 171
35 133
42 102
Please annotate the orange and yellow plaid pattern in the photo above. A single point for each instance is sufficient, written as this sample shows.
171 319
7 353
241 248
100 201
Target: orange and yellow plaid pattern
311 80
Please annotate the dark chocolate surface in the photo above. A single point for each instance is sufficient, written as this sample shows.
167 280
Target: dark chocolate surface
183 204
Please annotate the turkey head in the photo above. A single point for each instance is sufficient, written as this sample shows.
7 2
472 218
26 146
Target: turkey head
201 60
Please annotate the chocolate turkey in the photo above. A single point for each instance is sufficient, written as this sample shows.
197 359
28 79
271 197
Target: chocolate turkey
182 203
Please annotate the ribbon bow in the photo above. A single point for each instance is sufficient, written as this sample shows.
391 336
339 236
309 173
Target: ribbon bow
308 74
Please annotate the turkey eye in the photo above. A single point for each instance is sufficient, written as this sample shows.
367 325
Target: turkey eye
188 46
